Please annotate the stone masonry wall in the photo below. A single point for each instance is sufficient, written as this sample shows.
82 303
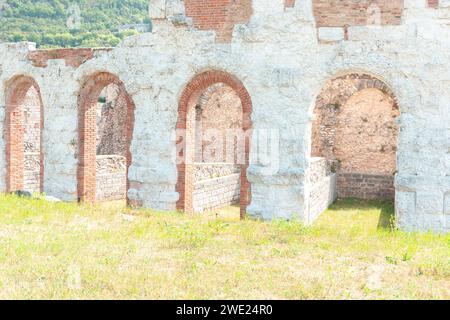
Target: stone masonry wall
318 169
111 172
32 141
356 130
111 122
208 171
356 105
216 182
281 67
111 178
323 187
217 192
219 110
367 153
366 134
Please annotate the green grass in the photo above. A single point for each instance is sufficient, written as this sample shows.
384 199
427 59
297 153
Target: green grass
67 251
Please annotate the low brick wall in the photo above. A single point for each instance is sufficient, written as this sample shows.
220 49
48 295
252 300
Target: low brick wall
111 178
366 186
215 193
322 191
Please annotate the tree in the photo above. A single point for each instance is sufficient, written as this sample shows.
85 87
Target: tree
45 22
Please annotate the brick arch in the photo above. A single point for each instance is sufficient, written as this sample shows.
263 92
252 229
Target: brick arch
360 164
360 81
87 128
15 95
191 94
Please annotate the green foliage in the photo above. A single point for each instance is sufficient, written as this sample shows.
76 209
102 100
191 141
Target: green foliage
70 23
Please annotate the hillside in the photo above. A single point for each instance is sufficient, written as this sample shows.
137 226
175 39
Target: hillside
70 23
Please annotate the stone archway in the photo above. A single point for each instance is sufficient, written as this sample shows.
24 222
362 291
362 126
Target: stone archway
24 122
186 150
88 167
354 141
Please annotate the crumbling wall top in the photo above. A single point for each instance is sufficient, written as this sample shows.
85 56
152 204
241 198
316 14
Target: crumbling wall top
72 57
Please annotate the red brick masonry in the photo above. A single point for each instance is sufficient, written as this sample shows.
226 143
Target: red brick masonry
87 106
185 127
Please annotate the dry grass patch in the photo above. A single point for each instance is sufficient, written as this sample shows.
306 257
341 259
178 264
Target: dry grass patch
59 250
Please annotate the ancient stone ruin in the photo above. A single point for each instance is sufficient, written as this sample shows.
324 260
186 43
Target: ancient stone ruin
280 106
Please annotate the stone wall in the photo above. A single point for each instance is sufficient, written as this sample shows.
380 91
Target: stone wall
355 106
216 185
208 171
111 172
32 141
366 134
32 174
218 113
216 193
111 177
278 66
112 122
93 137
23 137
318 169
356 130
323 191
217 171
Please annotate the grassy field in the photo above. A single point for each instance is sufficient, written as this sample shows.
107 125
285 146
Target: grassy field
66 251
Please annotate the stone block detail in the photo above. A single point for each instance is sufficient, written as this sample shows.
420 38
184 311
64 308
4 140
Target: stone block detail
405 207
447 203
355 129
322 192
207 171
328 34
32 174
111 178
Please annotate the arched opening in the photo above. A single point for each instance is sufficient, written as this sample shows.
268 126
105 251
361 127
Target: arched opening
214 132
23 135
354 141
105 131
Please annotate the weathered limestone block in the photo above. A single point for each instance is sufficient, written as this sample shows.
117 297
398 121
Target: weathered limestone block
157 9
331 34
